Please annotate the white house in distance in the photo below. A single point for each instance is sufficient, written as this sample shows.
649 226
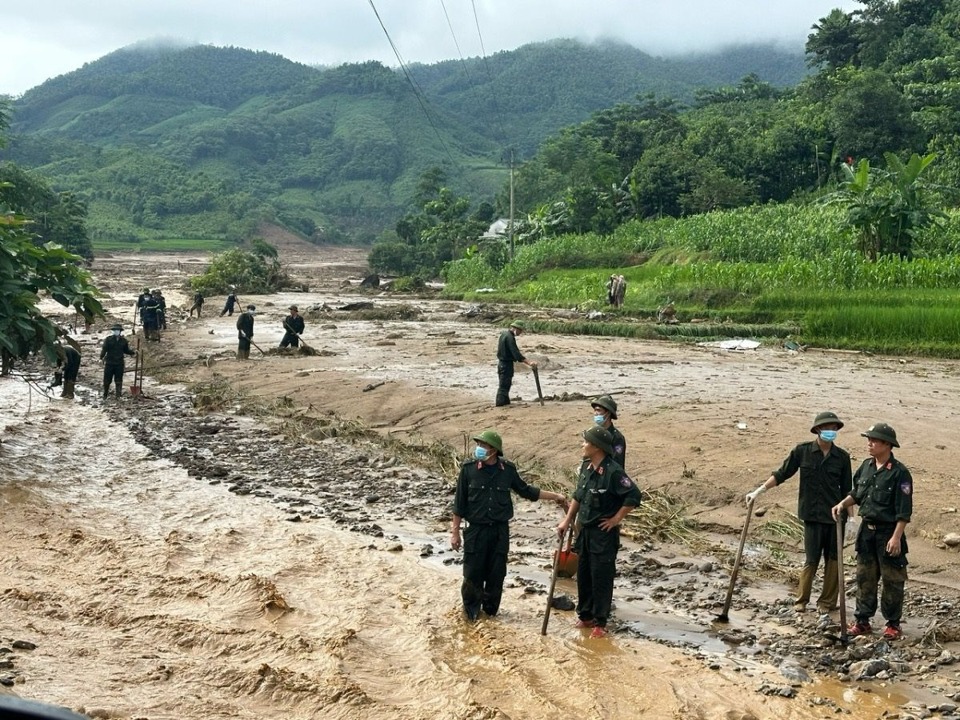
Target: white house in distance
498 229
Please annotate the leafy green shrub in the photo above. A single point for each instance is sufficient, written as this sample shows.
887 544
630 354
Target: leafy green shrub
257 271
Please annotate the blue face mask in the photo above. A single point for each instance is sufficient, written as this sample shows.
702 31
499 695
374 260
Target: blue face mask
599 419
828 435
480 453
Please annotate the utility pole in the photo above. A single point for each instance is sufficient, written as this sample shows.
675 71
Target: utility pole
510 225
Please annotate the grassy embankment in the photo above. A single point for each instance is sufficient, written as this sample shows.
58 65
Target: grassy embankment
769 272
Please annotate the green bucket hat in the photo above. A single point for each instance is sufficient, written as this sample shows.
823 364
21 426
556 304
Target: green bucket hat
882 431
490 437
607 403
600 438
825 418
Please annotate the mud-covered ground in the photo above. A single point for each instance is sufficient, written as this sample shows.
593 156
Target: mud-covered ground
270 538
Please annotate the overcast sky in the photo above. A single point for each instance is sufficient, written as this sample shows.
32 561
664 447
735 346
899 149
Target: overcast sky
41 39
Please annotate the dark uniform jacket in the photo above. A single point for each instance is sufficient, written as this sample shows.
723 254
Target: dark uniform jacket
71 366
507 351
619 446
824 481
293 324
142 299
113 350
245 325
884 494
602 492
483 491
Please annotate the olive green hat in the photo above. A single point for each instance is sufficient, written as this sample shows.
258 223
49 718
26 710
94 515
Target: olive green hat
117 327
490 437
607 403
518 324
882 431
827 417
600 438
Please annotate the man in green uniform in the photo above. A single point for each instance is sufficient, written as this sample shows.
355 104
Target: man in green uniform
603 498
825 479
507 354
883 488
604 413
483 499
245 332
114 347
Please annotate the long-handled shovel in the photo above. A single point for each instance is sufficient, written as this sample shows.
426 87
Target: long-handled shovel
841 584
724 617
536 378
299 337
553 583
250 340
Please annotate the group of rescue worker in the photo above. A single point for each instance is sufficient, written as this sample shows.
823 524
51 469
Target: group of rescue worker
882 487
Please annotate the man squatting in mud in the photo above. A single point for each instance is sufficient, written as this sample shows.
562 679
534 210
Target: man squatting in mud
483 498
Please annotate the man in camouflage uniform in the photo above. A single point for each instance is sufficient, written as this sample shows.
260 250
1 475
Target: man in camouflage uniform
825 479
507 354
603 498
604 413
883 488
483 499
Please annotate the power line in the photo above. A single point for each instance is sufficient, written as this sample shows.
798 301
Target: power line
417 92
486 66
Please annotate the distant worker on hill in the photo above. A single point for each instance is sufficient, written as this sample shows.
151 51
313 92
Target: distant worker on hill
616 290
197 303
509 353
231 301
245 332
112 352
293 326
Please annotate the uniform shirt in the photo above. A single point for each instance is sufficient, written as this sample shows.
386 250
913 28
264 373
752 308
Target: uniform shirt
602 492
884 494
507 350
245 325
113 350
824 481
483 491
619 446
293 324
231 300
72 364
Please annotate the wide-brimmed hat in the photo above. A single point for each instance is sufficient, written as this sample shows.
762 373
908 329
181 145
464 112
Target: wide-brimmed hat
518 324
607 403
882 431
827 417
491 438
600 438
294 308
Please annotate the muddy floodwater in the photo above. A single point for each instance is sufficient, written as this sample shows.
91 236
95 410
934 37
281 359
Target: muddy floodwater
161 560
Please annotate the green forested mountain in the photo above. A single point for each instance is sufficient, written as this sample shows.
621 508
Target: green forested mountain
204 142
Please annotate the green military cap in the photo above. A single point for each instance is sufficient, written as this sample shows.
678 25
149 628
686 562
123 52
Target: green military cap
491 438
518 324
600 438
607 403
117 327
882 431
825 418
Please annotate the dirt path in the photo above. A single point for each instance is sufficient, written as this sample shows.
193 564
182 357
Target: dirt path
174 565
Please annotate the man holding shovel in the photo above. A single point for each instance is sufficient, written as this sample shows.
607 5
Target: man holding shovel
603 498
507 354
245 332
293 326
825 479
883 488
483 498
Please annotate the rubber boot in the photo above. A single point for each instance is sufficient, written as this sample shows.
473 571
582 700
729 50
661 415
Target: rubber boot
827 602
806 585
68 389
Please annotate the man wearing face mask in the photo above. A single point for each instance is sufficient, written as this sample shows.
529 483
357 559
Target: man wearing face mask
605 495
604 413
483 499
245 332
825 479
112 352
